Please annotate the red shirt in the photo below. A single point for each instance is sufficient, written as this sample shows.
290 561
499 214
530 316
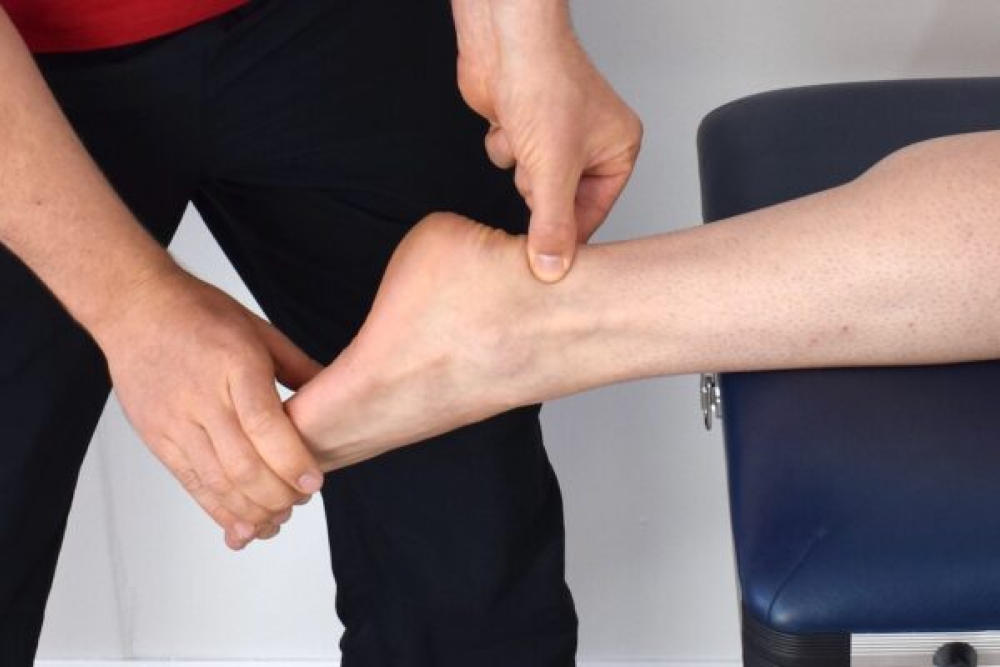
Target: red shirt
80 25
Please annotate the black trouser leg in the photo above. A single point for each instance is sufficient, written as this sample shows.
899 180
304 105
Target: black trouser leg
316 135
53 378
335 128
53 385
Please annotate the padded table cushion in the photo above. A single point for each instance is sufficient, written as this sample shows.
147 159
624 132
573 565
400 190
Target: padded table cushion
862 500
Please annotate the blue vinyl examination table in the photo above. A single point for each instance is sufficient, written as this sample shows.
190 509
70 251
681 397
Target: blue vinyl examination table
865 502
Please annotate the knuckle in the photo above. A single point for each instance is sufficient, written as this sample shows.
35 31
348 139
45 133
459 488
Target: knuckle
258 421
233 350
638 130
287 468
189 479
217 482
268 531
258 516
270 507
244 509
219 514
244 471
286 505
634 131
162 446
166 449
279 502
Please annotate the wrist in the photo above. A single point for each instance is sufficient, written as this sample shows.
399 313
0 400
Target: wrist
494 31
134 298
532 25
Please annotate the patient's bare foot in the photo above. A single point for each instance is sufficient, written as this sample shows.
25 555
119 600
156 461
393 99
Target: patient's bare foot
454 336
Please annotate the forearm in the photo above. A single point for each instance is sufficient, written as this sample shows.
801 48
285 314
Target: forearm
901 266
511 27
500 38
57 212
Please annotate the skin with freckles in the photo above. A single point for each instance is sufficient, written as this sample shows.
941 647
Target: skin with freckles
901 266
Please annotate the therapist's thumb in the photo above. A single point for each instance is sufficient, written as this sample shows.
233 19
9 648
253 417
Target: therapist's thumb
552 232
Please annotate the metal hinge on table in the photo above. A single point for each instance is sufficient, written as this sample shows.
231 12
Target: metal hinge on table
711 399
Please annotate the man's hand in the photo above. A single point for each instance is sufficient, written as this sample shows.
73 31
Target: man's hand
571 139
195 372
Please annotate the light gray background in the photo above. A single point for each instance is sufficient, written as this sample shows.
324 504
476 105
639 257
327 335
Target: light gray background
649 551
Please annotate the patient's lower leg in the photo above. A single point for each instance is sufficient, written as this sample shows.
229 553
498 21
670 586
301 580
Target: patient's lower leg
898 267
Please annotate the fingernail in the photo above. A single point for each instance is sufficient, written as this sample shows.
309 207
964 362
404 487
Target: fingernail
244 530
550 267
310 482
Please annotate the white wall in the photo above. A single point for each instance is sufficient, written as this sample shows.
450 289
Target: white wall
649 553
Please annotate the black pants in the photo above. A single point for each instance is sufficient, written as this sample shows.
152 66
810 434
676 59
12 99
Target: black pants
310 135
